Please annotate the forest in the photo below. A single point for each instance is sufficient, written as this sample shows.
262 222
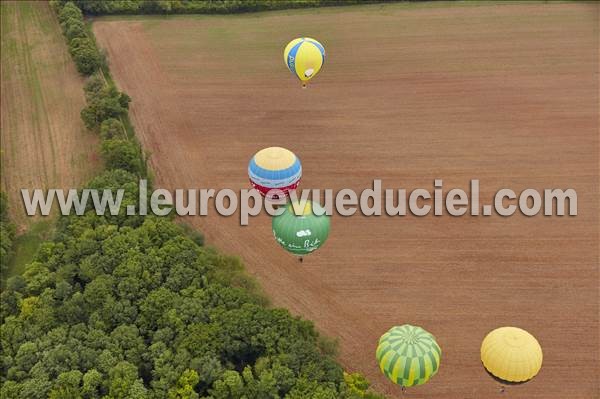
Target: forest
133 307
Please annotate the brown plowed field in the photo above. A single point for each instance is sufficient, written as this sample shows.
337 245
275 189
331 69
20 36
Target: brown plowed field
504 93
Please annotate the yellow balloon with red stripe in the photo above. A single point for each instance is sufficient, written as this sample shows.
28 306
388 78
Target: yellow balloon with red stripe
304 57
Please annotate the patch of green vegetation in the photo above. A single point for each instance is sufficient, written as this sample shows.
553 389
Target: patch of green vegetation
7 235
27 244
9 43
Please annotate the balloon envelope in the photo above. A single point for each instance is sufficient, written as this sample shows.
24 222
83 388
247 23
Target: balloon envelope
274 168
303 233
304 57
408 355
511 354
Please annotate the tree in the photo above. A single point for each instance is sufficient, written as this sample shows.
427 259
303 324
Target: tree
85 54
125 340
94 85
74 28
122 154
35 388
307 389
88 116
264 386
92 381
69 11
10 389
99 109
67 386
27 356
124 100
230 386
112 128
185 386
87 59
123 382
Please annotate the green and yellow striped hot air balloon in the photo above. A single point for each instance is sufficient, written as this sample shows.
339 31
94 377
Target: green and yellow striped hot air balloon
408 355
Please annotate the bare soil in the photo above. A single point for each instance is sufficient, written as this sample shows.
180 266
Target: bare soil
504 93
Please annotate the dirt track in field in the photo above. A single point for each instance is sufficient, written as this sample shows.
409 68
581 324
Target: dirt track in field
506 94
44 142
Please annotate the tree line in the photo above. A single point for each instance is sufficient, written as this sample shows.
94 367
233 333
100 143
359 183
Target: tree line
118 306
100 7
106 106
7 235
82 47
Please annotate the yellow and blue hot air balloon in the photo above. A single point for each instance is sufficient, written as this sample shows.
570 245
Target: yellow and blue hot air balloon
304 57
274 168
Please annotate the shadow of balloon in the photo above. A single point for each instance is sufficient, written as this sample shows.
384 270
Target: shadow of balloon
504 382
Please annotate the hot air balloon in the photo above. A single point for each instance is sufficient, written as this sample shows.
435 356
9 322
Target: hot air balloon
408 355
303 233
304 57
511 354
274 168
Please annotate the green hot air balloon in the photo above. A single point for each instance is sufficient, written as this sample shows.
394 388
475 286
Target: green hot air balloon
408 355
303 233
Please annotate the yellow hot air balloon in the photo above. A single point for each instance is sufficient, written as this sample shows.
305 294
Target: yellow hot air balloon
511 354
304 57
